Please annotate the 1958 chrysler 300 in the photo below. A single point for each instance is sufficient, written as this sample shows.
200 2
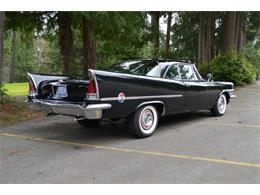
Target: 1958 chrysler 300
139 90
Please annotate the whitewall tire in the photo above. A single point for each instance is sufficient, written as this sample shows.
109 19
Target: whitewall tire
144 121
220 106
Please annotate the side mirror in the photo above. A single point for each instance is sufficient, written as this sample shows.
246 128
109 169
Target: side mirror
209 77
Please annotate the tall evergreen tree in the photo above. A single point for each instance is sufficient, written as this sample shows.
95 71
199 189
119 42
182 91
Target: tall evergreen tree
13 57
89 45
234 37
66 42
168 34
155 33
2 16
205 37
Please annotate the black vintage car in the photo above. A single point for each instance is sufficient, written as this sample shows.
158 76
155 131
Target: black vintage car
139 90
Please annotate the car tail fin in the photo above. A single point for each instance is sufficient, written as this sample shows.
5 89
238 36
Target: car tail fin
92 89
32 86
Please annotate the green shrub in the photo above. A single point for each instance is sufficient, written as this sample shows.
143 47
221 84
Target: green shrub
234 68
252 53
3 94
204 69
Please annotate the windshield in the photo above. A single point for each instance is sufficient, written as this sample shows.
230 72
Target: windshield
143 68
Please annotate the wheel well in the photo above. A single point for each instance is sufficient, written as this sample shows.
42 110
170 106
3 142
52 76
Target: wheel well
159 106
227 96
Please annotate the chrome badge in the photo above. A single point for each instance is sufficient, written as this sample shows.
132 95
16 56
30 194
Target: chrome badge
121 97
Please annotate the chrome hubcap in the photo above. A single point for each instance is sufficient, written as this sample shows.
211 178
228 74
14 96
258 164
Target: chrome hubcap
147 119
221 104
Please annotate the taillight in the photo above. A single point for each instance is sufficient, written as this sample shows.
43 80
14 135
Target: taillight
32 88
92 88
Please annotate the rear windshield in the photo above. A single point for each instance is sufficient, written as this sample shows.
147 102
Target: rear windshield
143 68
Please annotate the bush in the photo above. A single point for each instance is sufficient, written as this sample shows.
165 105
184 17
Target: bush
204 69
3 94
234 68
251 52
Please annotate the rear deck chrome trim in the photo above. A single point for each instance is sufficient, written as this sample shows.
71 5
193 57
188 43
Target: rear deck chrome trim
141 97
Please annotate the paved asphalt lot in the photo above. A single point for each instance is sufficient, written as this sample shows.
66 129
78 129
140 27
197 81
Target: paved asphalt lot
186 148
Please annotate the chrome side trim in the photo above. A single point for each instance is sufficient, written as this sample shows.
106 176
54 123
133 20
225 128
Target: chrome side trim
153 102
141 97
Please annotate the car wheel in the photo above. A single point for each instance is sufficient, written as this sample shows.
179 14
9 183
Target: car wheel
88 123
220 106
143 122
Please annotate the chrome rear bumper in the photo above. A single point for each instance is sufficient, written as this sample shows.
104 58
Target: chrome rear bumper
91 111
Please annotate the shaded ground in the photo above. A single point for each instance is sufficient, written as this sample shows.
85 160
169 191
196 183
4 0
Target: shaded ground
14 110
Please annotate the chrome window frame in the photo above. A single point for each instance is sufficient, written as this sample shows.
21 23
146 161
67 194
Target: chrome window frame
194 71
192 68
178 69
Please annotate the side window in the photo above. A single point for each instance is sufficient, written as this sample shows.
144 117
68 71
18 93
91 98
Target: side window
187 73
153 72
172 72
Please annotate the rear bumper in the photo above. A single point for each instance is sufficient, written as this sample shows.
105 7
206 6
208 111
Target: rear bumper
91 111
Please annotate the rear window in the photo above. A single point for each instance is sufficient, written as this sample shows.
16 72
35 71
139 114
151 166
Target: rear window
143 68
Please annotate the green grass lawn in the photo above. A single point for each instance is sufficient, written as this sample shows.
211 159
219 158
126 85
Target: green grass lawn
17 89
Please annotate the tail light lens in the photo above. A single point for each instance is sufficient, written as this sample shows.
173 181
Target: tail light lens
32 88
92 88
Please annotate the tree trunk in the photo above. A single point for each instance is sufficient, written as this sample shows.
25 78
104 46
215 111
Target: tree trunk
2 15
230 43
89 46
168 34
205 44
66 42
241 32
155 33
258 24
209 38
201 39
13 56
234 38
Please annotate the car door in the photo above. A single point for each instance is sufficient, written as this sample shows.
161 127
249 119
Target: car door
196 93
171 71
